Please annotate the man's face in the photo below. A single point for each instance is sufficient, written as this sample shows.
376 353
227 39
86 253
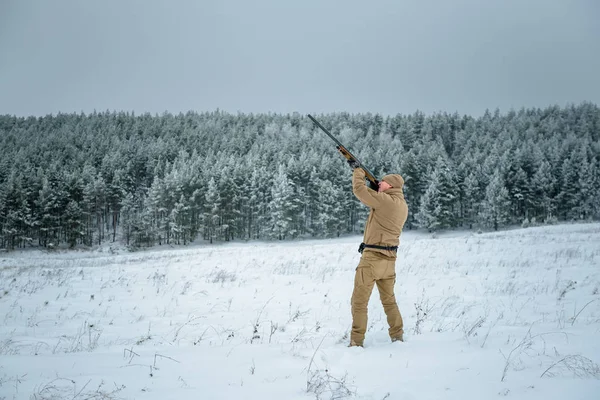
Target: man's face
383 186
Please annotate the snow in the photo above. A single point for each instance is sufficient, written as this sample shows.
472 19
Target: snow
512 314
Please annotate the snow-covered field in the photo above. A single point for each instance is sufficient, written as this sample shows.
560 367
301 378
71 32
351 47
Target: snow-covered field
512 314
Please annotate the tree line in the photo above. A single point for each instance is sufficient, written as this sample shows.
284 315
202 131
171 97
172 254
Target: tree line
146 180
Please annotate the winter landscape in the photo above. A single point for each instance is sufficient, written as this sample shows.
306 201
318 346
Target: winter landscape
512 314
173 225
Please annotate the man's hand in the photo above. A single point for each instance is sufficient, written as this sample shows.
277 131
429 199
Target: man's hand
353 164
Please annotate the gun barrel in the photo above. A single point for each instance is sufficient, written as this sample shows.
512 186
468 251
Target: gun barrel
325 130
368 173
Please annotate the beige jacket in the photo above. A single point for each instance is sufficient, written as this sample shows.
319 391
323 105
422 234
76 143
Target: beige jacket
388 211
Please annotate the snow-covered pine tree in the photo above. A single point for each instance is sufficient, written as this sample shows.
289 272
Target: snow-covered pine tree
72 222
228 193
330 208
568 196
519 192
281 206
19 220
47 204
129 219
154 208
211 211
542 187
116 192
180 221
471 200
495 207
588 189
438 205
415 182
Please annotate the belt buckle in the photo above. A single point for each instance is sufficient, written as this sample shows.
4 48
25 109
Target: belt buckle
361 248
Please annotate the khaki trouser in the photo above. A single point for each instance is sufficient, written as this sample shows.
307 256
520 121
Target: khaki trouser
374 268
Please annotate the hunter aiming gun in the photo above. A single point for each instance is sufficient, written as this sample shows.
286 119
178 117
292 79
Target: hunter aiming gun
373 183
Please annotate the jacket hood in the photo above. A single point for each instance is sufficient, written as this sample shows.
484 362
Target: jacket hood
395 180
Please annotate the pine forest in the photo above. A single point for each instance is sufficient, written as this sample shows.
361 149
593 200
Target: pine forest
145 180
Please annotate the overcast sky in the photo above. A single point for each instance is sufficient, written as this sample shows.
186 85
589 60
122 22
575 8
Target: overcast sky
316 56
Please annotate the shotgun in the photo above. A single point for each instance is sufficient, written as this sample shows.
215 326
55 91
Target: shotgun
373 182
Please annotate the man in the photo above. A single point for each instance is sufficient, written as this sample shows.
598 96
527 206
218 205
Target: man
378 261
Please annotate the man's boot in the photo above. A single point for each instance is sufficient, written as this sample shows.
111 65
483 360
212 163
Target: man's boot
398 338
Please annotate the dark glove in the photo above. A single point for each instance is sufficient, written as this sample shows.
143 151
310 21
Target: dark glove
353 163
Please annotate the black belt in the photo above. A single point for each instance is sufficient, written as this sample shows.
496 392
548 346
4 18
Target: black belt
374 246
